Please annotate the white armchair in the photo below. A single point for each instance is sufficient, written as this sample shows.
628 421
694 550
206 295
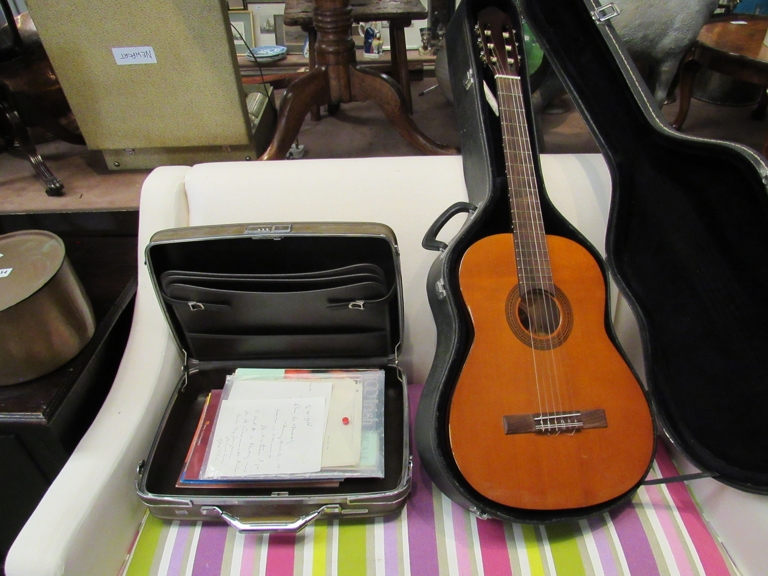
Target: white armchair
87 520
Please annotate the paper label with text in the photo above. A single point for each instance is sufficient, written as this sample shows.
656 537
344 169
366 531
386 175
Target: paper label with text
134 55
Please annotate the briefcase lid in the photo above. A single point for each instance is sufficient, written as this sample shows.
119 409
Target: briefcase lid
308 294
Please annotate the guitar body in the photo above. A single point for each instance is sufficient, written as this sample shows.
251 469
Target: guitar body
575 367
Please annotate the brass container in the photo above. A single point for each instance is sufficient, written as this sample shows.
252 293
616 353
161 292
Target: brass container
46 317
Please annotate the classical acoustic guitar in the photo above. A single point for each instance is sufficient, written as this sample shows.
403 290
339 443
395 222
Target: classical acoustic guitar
546 414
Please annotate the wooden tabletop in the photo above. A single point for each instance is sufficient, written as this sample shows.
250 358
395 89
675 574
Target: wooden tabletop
299 12
740 36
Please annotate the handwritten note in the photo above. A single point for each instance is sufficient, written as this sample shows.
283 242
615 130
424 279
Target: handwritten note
134 55
267 437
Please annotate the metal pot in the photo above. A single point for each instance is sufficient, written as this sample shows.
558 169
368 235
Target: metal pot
46 317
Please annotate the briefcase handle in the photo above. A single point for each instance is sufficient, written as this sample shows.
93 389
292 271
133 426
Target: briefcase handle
269 526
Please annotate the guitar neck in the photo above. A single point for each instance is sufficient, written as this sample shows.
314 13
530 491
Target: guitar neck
532 255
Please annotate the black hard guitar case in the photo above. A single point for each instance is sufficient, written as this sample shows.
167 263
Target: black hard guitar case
687 244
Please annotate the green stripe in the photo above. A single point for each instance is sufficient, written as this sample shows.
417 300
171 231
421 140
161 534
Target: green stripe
144 552
535 560
352 548
565 550
320 548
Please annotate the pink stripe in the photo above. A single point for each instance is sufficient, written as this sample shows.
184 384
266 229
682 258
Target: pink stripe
493 546
671 534
280 554
391 548
602 538
634 542
461 539
708 551
248 562
422 536
179 549
210 550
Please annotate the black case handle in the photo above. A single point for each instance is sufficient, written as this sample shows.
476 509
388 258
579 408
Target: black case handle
430 241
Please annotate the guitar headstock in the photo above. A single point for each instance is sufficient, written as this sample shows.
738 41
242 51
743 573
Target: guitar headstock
496 39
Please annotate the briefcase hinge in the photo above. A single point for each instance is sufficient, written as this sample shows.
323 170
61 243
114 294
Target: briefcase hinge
605 13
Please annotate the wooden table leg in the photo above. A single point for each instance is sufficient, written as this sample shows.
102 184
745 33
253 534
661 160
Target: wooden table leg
299 98
382 90
400 60
53 186
312 34
688 70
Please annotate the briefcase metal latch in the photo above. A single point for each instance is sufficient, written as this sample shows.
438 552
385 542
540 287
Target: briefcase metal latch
268 230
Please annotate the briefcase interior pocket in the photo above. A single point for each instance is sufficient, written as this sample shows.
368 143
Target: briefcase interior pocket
343 311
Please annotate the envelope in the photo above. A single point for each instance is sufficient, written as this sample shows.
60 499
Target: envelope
343 429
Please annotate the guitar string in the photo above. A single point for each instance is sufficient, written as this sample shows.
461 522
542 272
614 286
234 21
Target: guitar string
534 240
531 254
542 268
519 236
558 353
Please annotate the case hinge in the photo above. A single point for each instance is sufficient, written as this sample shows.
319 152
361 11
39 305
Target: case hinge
469 80
440 289
605 13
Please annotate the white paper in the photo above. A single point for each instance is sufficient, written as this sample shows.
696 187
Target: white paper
134 55
267 437
257 389
344 426
344 396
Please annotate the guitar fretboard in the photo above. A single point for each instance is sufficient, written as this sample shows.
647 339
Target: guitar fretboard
532 256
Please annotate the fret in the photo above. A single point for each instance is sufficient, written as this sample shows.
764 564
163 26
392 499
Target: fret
532 254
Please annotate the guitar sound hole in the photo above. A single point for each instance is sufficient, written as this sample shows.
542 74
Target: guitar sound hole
539 319
539 313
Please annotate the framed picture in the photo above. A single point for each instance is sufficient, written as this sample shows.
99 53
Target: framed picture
243 28
236 4
292 37
412 34
264 13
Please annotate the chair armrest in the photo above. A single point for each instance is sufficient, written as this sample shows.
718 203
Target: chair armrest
88 517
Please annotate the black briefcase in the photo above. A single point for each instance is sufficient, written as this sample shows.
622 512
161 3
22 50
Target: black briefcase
303 297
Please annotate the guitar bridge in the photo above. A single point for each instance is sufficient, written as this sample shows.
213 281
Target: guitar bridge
554 422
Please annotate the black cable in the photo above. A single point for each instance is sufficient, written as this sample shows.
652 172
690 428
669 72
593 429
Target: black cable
261 72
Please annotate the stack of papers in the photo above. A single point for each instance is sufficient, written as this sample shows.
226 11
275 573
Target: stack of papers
297 425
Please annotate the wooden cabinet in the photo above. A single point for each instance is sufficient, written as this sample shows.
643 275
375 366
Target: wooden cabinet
42 420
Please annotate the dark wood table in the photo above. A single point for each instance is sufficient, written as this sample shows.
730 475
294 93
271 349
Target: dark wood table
334 77
42 420
732 46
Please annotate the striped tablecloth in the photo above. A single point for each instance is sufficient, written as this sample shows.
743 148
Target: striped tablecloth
660 532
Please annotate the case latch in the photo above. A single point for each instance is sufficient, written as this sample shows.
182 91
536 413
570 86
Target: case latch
605 13
268 230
